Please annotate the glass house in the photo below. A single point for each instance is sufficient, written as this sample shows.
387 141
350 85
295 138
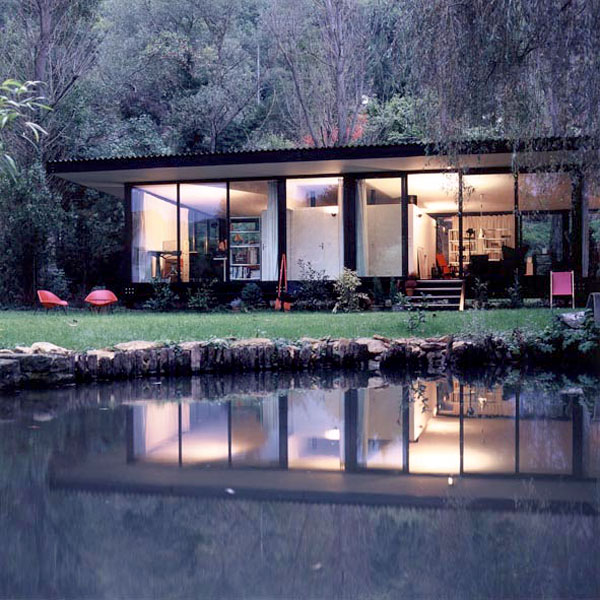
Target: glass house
490 209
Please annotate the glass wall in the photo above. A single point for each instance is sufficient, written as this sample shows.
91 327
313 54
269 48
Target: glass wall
314 225
253 230
154 233
203 222
379 227
489 236
216 241
545 206
433 225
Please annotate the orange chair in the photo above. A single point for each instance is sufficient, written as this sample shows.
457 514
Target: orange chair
100 298
444 270
49 300
562 283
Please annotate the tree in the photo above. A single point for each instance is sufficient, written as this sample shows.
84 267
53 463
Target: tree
18 103
324 49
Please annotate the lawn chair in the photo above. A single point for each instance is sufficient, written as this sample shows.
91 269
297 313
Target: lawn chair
49 300
562 283
100 298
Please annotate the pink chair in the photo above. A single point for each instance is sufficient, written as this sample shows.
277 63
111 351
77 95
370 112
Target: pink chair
100 298
562 283
49 300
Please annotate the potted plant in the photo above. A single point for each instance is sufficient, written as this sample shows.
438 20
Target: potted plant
236 305
410 284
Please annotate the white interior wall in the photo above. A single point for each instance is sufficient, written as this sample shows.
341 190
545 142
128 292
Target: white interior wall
421 235
314 235
384 239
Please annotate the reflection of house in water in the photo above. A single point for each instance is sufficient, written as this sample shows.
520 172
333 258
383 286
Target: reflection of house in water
432 427
239 432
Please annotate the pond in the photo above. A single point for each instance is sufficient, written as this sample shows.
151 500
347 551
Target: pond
302 486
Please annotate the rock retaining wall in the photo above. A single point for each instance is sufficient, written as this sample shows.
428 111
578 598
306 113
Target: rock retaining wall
44 364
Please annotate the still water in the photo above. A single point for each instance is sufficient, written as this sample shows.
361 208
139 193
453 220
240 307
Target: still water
302 487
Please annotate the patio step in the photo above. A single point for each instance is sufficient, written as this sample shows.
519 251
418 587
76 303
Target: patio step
439 294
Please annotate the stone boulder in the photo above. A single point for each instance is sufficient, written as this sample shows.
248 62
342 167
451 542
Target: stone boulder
48 348
10 373
137 345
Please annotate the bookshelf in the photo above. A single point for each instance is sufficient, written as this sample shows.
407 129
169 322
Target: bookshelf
491 244
244 244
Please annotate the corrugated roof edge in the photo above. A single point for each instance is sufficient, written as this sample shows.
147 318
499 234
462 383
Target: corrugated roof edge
408 148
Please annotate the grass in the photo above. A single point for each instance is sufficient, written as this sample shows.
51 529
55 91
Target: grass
79 330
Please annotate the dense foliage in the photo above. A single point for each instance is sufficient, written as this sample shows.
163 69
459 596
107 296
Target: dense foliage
155 76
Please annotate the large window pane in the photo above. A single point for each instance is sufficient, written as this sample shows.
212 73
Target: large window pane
545 203
489 225
203 222
433 224
379 227
314 225
544 191
253 230
154 233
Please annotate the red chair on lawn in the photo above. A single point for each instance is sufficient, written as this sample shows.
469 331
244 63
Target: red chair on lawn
562 283
100 298
49 300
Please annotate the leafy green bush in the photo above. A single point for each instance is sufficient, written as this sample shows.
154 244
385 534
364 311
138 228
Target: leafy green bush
480 293
163 297
205 298
314 291
252 296
515 292
348 298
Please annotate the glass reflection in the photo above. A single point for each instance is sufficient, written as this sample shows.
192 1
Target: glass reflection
426 427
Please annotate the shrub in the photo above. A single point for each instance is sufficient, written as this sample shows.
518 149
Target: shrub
252 296
480 291
163 297
204 299
55 280
515 292
346 290
314 292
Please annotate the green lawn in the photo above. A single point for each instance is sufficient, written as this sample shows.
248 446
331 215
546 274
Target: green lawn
81 330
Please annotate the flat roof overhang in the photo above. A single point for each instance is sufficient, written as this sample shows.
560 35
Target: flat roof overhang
110 175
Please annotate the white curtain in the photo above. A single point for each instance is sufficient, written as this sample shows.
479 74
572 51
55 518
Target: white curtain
138 237
269 236
362 245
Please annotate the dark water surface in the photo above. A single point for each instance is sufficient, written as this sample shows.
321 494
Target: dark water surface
302 487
